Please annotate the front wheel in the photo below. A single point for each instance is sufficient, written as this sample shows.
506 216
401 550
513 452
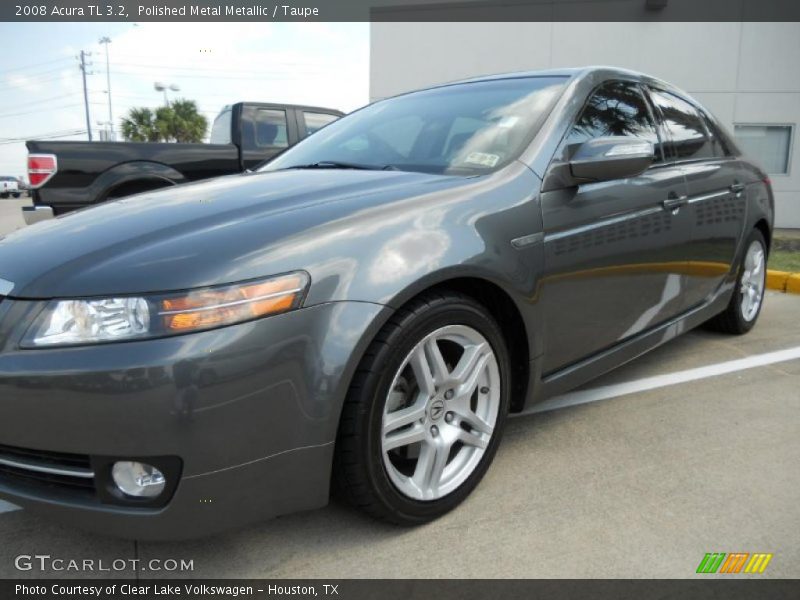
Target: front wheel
748 296
424 415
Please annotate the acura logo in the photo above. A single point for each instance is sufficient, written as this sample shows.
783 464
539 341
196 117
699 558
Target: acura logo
436 409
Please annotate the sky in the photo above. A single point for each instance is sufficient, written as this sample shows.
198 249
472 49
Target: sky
41 93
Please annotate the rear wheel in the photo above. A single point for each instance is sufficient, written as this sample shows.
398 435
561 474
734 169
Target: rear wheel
748 297
424 415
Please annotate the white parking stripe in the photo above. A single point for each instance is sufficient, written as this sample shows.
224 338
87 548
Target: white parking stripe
650 383
7 507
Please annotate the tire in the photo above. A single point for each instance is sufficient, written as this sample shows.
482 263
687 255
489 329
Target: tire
16 195
739 317
443 412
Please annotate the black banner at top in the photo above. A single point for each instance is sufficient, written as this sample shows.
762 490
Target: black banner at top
397 10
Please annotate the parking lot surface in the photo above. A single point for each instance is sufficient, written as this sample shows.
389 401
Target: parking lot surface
11 214
639 474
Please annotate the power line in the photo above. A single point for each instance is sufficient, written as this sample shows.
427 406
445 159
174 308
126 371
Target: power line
256 71
264 74
42 110
43 136
41 64
41 101
27 137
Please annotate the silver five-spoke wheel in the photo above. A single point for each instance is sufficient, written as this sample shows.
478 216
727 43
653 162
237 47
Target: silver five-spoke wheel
440 413
753 280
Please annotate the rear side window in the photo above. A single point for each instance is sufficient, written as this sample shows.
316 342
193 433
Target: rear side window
270 126
315 121
719 142
615 109
689 139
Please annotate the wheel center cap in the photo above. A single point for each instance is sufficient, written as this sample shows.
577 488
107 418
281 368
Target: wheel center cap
436 409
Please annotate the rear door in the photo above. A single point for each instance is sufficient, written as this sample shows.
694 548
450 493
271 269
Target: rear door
265 131
613 252
311 121
716 203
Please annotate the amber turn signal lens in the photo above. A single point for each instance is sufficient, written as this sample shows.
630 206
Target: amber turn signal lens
207 308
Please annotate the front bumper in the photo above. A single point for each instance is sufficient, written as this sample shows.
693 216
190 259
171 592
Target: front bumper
250 411
34 214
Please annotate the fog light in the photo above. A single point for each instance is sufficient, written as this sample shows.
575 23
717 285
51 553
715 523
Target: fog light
139 480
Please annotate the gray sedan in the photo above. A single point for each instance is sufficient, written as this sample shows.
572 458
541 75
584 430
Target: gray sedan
367 309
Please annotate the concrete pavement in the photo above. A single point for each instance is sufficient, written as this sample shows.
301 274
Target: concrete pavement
11 214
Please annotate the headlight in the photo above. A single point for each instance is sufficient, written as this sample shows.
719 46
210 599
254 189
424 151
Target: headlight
93 320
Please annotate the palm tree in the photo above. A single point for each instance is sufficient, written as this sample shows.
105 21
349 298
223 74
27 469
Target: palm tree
179 122
187 124
140 126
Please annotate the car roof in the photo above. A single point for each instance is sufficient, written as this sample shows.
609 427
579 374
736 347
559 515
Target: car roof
598 71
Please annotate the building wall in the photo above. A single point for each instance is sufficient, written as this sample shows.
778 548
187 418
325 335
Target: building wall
747 73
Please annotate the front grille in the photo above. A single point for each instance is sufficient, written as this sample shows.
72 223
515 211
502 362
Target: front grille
52 470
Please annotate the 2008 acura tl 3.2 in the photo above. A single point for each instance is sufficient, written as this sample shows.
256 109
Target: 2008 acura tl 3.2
367 309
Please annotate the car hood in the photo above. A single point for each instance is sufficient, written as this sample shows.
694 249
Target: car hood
220 231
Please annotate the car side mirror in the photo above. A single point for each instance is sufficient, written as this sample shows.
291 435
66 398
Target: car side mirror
608 158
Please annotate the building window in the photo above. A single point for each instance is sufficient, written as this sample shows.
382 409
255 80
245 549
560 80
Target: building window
768 144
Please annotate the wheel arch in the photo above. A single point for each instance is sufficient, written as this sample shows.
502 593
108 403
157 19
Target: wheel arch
499 304
136 176
763 227
136 186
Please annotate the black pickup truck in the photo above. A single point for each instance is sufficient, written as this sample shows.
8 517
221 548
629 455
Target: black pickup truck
65 176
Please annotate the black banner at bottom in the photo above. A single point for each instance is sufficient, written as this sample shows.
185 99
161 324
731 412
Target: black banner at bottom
402 589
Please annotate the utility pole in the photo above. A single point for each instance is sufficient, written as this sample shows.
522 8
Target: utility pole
86 92
105 40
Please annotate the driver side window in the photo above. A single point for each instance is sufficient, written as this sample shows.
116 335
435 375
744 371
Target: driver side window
615 109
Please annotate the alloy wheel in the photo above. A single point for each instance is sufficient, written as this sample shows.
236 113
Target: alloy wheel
753 280
440 413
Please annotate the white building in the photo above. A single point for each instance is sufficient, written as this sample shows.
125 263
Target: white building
747 74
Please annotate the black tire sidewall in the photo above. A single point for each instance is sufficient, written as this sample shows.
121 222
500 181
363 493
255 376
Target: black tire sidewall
449 312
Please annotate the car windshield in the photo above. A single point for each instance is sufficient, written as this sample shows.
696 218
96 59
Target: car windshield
460 129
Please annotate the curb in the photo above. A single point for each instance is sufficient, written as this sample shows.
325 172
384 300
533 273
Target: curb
783 281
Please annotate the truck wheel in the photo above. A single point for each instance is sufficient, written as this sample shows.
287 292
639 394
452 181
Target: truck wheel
16 195
748 296
425 411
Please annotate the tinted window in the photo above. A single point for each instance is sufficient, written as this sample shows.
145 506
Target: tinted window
221 130
270 128
689 139
719 144
616 109
315 121
465 128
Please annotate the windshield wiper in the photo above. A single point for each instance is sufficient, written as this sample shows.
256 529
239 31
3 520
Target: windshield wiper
335 164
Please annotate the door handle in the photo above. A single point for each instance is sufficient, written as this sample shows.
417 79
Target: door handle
674 202
737 188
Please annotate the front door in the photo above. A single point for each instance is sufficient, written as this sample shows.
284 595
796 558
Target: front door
265 132
614 254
